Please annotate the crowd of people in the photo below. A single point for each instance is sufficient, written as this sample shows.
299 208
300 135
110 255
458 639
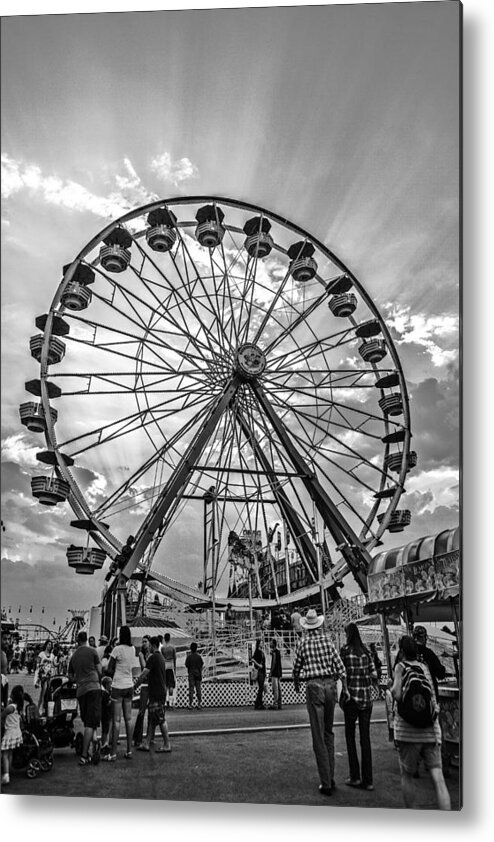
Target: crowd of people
358 668
107 677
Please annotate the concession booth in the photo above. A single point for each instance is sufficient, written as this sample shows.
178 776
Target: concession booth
421 582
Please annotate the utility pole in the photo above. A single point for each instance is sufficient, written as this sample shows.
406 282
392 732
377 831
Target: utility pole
315 535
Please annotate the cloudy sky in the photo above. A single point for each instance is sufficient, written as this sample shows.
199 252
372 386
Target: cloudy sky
344 119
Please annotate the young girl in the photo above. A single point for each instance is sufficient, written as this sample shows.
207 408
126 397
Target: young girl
11 716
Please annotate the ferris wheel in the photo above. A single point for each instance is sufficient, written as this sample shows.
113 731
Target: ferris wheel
205 349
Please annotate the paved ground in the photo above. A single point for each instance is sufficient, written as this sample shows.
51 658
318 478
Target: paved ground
235 755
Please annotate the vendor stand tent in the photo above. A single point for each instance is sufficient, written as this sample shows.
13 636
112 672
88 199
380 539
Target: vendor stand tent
421 580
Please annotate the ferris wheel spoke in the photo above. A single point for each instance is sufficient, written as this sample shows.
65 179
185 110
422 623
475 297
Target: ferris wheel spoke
115 349
300 319
185 304
303 354
134 422
166 315
221 336
159 311
315 421
329 477
317 379
247 297
155 339
120 388
160 454
154 345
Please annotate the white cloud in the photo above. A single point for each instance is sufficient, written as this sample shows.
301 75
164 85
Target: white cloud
438 487
176 171
437 334
16 449
96 490
18 176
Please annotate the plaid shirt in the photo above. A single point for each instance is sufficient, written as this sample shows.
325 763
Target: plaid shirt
360 670
317 657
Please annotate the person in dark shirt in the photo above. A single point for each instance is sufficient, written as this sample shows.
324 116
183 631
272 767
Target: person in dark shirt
259 663
425 654
194 665
154 674
85 670
275 674
377 661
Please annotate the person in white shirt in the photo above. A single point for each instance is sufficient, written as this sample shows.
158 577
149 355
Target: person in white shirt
122 661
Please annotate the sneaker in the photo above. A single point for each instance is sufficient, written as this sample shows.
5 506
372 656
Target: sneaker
354 783
163 750
6 778
84 761
128 755
368 787
110 758
325 790
143 747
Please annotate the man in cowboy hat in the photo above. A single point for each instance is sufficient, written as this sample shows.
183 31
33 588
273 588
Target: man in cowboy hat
321 664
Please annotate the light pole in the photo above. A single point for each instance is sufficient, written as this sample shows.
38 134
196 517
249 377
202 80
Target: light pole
315 535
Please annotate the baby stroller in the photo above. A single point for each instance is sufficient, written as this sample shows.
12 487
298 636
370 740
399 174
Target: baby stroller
36 752
63 701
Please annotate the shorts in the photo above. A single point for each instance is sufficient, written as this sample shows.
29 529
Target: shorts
170 678
156 712
410 754
117 694
90 708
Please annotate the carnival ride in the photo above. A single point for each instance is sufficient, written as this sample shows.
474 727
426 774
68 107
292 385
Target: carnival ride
207 366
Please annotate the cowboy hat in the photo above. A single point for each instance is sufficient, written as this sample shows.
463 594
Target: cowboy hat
312 619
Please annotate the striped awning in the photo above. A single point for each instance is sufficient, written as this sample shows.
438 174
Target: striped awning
423 570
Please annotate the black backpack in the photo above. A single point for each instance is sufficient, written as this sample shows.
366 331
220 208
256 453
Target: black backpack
417 705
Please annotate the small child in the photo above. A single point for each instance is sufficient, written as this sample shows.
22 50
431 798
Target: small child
12 738
106 714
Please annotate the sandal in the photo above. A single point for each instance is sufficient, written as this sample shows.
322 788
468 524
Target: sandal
84 761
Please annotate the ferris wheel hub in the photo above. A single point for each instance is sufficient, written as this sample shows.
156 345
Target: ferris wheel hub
250 361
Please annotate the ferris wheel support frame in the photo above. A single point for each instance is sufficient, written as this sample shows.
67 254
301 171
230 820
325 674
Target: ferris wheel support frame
299 533
178 479
356 556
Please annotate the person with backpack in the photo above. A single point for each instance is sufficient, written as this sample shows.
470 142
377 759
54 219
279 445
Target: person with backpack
417 732
426 654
